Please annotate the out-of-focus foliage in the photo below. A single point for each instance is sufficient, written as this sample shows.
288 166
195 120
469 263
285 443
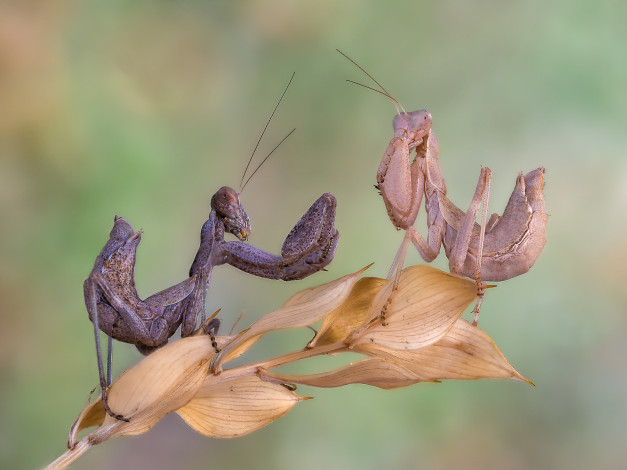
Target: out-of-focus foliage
145 108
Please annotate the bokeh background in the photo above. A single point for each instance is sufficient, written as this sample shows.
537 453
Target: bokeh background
145 108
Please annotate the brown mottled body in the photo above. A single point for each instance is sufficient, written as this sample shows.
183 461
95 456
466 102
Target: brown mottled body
498 249
148 324
115 307
309 246
512 241
501 248
121 313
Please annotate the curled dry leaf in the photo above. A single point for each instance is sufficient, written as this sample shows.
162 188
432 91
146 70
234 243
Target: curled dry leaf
427 304
236 406
302 309
375 371
465 352
349 316
159 384
424 340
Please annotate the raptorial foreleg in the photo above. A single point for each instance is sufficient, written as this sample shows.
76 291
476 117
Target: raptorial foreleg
308 248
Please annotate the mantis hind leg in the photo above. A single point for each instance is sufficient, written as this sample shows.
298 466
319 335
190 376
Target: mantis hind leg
396 270
211 328
481 286
464 234
109 360
104 382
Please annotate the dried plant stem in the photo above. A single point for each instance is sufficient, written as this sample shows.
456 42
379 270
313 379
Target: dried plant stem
251 369
424 340
71 455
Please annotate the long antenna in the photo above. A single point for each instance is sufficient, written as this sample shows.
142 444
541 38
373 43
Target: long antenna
264 160
373 89
384 92
263 132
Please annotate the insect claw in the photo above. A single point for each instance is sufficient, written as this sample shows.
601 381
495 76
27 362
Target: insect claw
91 394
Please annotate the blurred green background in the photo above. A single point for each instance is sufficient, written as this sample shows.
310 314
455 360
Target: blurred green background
145 108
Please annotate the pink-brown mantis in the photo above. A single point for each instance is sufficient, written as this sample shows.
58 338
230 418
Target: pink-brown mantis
115 307
499 249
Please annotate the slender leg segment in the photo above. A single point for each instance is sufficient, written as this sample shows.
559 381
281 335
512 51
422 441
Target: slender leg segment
462 242
481 286
101 374
396 270
109 360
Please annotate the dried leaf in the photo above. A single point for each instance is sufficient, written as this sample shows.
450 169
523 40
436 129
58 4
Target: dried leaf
424 340
349 316
158 385
426 305
224 340
92 415
302 309
375 371
465 352
240 347
236 406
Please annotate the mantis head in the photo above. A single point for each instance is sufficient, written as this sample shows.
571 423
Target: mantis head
121 231
123 241
229 209
414 125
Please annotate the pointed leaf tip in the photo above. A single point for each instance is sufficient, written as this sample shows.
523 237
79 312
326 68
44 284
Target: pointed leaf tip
465 352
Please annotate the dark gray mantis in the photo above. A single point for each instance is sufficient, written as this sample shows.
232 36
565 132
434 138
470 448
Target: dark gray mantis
499 249
115 307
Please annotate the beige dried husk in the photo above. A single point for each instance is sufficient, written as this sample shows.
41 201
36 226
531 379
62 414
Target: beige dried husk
424 339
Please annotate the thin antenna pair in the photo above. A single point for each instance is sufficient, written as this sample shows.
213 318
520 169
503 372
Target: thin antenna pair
242 183
382 90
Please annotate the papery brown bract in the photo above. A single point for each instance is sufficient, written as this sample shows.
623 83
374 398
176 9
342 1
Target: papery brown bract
427 304
349 316
377 372
302 309
424 340
465 352
159 384
236 406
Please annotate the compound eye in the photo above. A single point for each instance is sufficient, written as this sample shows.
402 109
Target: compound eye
421 120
